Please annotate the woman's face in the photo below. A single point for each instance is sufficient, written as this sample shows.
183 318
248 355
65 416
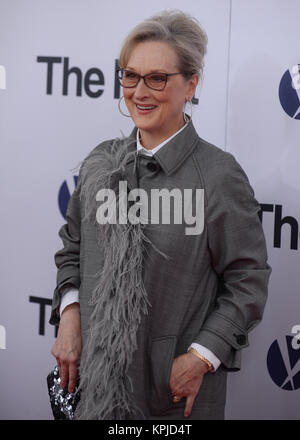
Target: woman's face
165 115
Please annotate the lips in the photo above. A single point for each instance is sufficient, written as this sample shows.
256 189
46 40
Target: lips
145 108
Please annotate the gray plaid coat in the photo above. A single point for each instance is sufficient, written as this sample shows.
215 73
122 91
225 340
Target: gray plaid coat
213 288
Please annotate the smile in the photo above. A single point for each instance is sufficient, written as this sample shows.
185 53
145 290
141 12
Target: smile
145 108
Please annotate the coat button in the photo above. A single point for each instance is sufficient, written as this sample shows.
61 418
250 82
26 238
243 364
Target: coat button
152 166
240 339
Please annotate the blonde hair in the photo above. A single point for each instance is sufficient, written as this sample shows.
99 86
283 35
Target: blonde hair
180 30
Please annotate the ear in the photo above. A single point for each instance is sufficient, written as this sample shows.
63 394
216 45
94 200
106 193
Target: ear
191 87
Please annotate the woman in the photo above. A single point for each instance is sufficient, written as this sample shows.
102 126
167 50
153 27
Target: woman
164 308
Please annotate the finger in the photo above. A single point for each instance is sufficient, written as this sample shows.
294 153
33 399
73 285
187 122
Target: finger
177 398
64 374
73 374
59 365
189 405
179 376
174 383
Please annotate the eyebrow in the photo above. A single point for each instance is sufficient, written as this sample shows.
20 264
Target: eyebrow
151 71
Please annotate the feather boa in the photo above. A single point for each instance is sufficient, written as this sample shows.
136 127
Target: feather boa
119 298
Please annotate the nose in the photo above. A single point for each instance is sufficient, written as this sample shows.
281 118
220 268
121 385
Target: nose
141 89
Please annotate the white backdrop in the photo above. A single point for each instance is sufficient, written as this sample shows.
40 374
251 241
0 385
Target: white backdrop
252 43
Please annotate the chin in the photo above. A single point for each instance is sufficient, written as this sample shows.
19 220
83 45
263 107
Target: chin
145 125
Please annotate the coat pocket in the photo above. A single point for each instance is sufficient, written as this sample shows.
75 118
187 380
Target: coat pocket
161 360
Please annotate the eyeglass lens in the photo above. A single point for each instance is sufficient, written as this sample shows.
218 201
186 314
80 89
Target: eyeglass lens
155 81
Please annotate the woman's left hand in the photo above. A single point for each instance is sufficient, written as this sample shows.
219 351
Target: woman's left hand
186 378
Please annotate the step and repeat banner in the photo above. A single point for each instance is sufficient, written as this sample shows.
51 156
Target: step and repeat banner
263 133
59 99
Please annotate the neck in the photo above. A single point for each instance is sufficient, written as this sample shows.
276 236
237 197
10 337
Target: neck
150 139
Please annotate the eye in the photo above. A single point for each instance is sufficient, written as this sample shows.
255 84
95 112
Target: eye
157 77
129 75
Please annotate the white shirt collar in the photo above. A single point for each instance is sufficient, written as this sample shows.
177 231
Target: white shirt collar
155 149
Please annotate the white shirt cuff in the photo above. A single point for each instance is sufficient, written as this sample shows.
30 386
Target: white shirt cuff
69 296
207 354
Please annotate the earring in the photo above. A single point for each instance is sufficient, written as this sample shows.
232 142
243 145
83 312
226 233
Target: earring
119 105
187 117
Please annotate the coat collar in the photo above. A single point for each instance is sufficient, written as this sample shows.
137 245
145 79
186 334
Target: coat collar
171 155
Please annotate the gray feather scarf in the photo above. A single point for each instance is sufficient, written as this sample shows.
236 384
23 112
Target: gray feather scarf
119 298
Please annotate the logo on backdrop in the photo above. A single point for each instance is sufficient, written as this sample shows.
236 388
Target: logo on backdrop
42 303
58 70
2 78
74 80
93 77
2 337
64 195
280 223
283 361
289 92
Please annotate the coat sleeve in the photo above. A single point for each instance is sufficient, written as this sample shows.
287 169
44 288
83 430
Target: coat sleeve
239 257
67 259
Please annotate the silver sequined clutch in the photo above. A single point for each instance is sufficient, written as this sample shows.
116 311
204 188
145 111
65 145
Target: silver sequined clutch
62 402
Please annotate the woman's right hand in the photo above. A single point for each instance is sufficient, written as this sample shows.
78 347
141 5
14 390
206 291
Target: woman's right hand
67 347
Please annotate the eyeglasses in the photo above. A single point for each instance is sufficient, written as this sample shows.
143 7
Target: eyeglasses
155 81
